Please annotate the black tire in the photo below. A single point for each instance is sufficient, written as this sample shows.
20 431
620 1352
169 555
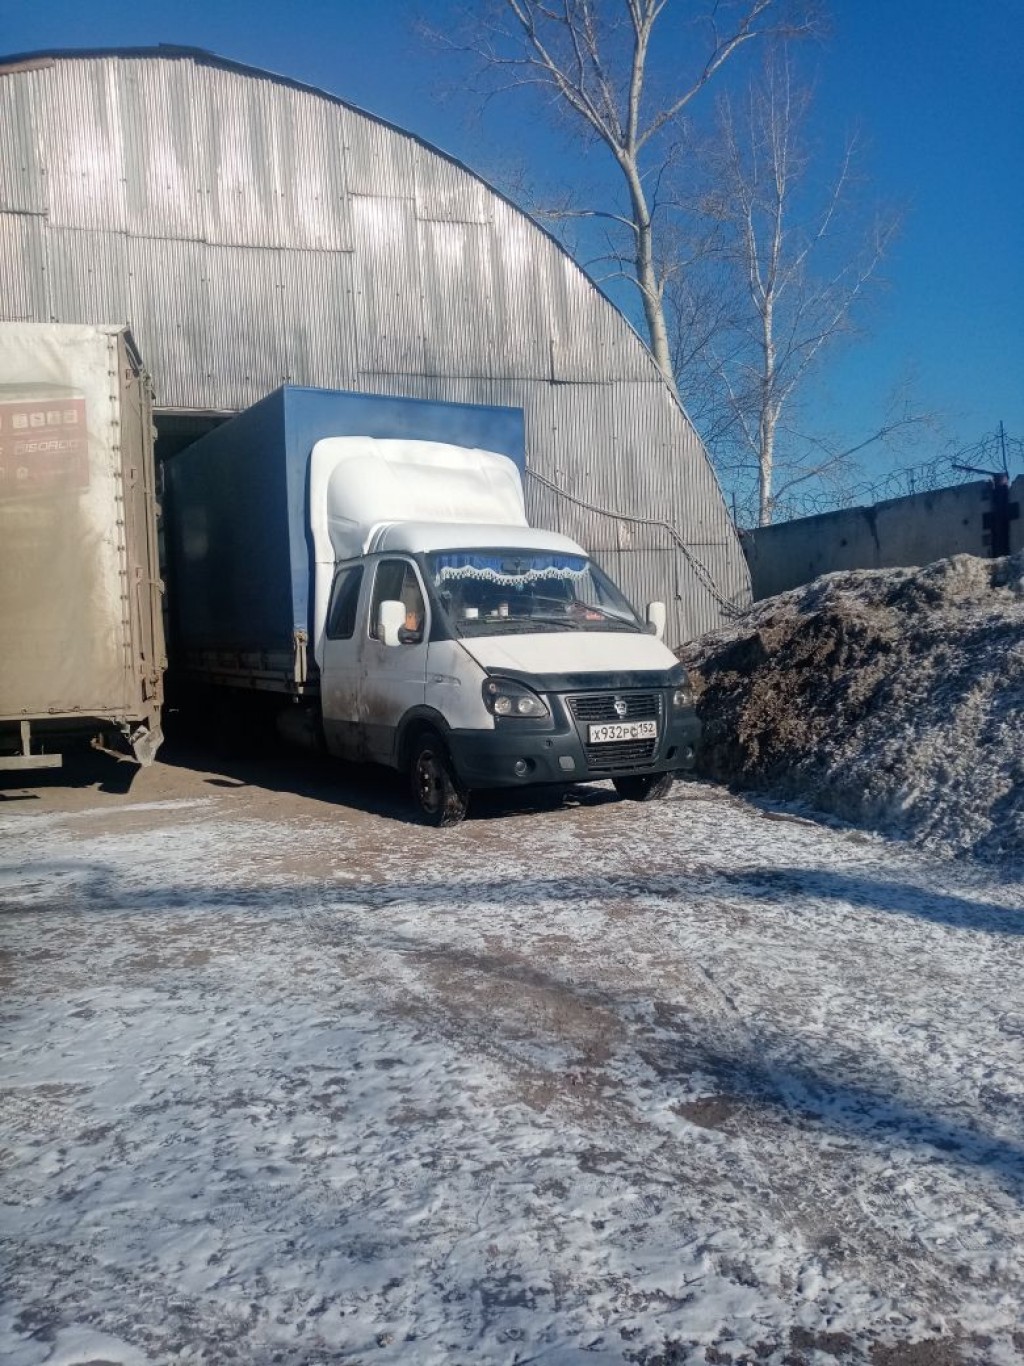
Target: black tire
644 787
439 797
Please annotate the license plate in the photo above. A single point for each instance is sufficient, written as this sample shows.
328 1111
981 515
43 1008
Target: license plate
611 731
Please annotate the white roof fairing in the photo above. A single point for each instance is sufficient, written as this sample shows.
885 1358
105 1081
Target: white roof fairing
417 538
358 482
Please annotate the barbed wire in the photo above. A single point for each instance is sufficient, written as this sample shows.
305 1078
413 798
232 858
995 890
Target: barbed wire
994 454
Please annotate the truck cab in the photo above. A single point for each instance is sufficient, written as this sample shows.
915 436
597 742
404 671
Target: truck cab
482 654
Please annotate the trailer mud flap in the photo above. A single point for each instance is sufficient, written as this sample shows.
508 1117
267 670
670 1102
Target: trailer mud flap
145 743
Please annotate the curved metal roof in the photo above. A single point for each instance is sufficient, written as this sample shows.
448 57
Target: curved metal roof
256 231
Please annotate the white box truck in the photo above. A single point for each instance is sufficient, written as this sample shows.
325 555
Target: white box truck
334 548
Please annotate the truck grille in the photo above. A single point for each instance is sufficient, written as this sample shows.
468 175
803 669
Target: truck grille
620 754
640 706
587 708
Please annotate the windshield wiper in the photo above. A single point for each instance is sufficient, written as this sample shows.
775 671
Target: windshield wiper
555 623
495 626
599 619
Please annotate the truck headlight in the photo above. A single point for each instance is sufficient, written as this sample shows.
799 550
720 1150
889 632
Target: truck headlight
682 697
505 697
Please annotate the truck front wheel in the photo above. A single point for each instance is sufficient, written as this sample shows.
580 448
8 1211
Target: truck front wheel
439 797
643 787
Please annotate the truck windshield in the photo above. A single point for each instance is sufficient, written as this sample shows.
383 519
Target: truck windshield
494 592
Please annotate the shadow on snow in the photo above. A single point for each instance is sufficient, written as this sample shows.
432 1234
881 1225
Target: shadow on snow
798 1088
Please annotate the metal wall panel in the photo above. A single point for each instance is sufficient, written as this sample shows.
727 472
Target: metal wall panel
380 161
523 279
87 276
254 233
318 319
167 163
458 311
22 184
319 214
79 117
243 206
448 194
578 331
592 345
23 288
279 165
388 287
248 347
169 310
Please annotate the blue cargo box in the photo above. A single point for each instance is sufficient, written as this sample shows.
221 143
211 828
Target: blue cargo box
236 515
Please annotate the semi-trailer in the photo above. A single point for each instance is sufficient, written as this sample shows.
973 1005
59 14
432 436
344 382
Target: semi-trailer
81 629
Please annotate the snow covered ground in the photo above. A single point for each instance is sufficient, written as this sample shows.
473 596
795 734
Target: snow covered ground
700 1081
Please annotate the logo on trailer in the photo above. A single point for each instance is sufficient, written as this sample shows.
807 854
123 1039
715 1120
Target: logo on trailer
44 441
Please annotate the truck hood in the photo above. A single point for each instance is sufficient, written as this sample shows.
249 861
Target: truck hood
571 652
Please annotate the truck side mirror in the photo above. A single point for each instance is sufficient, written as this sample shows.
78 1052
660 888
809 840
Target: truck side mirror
656 619
390 620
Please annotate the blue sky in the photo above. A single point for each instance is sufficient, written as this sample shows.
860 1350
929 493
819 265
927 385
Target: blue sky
934 86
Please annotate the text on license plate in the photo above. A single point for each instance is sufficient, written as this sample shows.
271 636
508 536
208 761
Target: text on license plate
623 730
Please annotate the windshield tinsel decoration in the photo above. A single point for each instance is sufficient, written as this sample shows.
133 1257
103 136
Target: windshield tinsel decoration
497 571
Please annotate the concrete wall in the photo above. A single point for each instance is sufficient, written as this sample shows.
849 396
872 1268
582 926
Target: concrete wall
903 531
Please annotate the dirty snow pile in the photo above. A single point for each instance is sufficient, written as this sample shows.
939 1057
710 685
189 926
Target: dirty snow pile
893 698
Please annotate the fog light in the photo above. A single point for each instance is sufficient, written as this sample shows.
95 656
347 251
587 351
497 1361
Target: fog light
566 762
520 768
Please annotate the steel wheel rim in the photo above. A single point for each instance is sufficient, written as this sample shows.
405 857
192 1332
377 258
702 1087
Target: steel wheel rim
429 780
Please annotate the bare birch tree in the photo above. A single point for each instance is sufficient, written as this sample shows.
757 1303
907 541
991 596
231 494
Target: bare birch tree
803 263
747 271
593 60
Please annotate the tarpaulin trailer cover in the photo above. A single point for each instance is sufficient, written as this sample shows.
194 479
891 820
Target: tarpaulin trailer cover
81 634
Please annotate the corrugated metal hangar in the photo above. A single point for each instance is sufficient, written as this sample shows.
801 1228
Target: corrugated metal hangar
254 231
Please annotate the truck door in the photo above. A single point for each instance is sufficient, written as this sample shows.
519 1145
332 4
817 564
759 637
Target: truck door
339 676
393 678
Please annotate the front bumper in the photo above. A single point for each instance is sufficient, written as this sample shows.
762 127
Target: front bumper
518 753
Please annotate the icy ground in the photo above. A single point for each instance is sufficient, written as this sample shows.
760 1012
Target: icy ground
287 1082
